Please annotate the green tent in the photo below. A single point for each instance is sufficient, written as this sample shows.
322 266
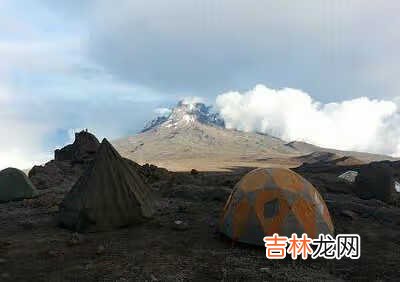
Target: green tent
15 185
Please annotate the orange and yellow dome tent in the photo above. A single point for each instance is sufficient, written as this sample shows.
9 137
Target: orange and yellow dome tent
274 200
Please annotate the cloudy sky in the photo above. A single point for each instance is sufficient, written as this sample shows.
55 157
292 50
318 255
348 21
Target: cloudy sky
107 65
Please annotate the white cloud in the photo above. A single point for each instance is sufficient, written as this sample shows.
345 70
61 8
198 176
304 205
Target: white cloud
360 124
21 140
4 94
18 158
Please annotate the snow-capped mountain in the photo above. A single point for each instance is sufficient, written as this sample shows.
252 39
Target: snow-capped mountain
186 114
193 136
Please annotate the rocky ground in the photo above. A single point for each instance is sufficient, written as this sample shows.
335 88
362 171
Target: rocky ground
182 242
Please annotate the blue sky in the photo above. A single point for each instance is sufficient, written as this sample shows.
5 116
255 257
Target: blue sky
107 65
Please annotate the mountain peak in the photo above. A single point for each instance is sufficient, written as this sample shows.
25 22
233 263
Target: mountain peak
186 114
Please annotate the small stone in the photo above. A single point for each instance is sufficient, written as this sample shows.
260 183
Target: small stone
2 260
75 239
53 209
100 250
153 278
349 214
265 270
194 171
182 209
52 253
5 275
28 225
180 225
4 244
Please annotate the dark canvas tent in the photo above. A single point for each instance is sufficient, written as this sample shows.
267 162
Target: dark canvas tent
110 194
15 185
376 181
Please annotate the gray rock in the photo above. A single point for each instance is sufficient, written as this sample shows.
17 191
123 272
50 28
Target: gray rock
76 239
100 250
180 225
27 225
375 181
349 214
265 270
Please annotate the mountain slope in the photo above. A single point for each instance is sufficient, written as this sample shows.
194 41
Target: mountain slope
307 148
192 136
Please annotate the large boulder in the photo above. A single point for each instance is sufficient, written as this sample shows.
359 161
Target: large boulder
15 185
47 176
376 181
83 149
110 194
68 165
56 174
